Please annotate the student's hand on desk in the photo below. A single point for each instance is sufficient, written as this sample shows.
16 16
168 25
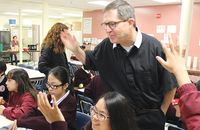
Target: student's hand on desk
13 125
69 40
1 109
51 114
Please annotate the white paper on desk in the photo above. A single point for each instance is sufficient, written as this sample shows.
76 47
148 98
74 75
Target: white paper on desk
81 89
189 61
195 62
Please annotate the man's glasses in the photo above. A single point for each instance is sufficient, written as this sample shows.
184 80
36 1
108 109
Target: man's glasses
52 86
100 116
111 24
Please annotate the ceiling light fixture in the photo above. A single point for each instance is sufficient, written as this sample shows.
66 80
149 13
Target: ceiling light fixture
32 11
56 9
167 1
10 13
104 3
74 15
55 17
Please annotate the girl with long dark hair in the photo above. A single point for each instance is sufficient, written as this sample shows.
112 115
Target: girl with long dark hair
59 86
22 94
112 112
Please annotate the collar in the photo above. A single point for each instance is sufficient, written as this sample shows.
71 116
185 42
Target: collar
61 99
138 40
85 70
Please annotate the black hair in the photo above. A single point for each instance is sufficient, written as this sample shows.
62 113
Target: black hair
62 74
121 114
198 85
24 83
2 65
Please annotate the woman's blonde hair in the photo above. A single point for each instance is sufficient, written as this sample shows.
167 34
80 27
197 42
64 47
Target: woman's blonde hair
53 38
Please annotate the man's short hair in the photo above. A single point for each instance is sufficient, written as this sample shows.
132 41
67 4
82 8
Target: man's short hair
124 9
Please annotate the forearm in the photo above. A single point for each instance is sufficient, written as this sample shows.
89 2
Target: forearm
80 54
182 76
167 100
59 125
189 105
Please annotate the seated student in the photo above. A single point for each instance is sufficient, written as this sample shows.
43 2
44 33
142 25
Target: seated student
173 115
189 97
94 89
112 112
73 57
58 86
22 94
82 76
3 89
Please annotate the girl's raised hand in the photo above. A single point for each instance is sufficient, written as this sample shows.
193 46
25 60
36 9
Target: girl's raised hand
51 114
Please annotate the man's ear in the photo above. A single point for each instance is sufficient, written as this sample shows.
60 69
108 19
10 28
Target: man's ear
131 22
65 86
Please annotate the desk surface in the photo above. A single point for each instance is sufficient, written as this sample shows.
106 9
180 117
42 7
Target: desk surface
76 62
194 78
79 89
18 51
193 70
4 121
33 74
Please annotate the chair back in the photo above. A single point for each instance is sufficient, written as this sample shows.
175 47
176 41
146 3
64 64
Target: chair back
21 65
29 67
72 68
81 119
174 128
38 84
36 68
95 72
84 103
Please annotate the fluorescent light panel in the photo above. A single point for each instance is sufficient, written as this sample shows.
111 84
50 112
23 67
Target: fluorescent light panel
32 11
10 13
56 9
74 15
104 3
55 17
167 1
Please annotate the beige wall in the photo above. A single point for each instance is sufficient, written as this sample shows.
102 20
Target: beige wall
37 21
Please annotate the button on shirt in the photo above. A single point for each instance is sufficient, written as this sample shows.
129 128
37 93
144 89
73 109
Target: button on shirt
135 74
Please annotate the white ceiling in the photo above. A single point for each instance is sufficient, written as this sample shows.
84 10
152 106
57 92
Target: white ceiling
59 7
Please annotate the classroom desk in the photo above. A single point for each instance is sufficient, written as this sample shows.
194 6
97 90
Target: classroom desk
193 70
4 121
194 78
79 89
76 62
30 52
34 75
